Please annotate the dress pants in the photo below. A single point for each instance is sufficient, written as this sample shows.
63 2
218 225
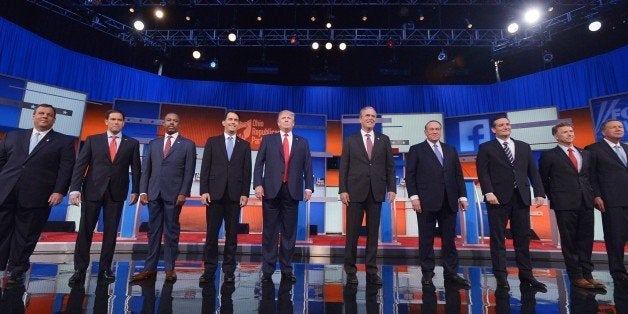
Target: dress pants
519 215
217 211
447 223
614 223
20 229
163 216
112 211
280 214
576 241
355 214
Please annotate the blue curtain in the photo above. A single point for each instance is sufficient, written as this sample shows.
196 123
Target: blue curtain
26 55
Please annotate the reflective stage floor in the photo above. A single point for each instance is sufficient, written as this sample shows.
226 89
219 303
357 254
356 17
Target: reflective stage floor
319 289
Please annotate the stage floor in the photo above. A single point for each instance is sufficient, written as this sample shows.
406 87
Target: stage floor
319 289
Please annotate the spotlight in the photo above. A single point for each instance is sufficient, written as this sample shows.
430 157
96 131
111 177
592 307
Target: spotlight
328 24
132 9
188 18
595 26
159 13
196 54
532 16
550 9
421 16
139 25
342 46
364 16
442 56
513 28
232 36
213 64
390 43
468 23
313 16
315 45
293 40
548 56
328 46
260 15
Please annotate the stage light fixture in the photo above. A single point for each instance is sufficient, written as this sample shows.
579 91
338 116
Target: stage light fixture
342 46
390 43
442 56
595 26
213 64
328 25
328 46
232 36
315 45
421 16
364 16
196 54
132 9
550 9
188 18
260 15
548 56
513 28
293 40
313 17
159 13
468 23
532 16
138 25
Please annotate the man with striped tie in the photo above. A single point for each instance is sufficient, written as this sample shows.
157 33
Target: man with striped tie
506 168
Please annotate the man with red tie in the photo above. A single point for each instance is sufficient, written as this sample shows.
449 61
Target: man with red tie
282 166
101 180
565 172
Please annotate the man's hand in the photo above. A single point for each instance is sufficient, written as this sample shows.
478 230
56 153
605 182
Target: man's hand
491 199
144 199
539 201
206 199
463 205
307 195
55 199
180 200
391 196
416 205
134 198
599 204
344 198
259 192
75 199
243 200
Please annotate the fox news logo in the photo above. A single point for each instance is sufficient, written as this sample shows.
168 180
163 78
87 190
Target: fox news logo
473 133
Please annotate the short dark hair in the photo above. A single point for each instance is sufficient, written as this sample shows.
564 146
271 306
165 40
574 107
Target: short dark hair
110 111
365 108
560 125
54 111
497 118
228 112
603 126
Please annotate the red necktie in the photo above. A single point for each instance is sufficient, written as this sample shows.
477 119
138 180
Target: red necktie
573 159
168 146
286 157
113 147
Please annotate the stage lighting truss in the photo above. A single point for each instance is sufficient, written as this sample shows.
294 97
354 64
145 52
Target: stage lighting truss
319 3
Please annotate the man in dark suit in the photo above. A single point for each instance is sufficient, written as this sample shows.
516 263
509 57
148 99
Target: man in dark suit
167 175
367 172
610 179
282 166
101 180
436 187
505 170
565 171
224 188
35 171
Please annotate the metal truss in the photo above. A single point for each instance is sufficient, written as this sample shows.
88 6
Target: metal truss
312 2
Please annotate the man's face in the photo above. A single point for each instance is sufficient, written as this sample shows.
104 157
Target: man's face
285 121
433 132
231 123
115 122
171 123
43 118
367 119
614 130
565 135
501 128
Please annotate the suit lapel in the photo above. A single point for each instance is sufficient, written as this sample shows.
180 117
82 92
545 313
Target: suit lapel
612 152
429 150
174 145
501 151
160 148
50 136
105 141
26 141
360 142
565 158
295 144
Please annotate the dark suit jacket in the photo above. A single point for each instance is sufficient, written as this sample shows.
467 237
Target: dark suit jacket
566 188
269 166
170 176
358 174
95 172
429 180
218 173
497 175
609 176
46 170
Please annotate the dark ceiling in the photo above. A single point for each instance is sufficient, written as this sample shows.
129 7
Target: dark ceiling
389 61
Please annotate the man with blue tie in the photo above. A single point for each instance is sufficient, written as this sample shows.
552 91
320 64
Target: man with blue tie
436 188
282 166
610 179
167 175
225 183
35 171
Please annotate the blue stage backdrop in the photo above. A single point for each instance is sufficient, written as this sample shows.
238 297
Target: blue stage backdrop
610 107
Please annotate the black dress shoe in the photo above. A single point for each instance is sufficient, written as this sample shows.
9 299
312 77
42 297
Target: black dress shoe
207 277
107 275
267 278
229 279
16 278
374 279
288 277
458 282
352 279
535 284
78 278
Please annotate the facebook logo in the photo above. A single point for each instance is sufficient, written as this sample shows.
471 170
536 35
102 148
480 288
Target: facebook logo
473 133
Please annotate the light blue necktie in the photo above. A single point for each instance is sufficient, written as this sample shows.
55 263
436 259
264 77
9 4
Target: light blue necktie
229 147
439 155
34 141
620 153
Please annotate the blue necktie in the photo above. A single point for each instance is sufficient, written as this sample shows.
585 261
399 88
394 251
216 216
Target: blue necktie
34 141
619 151
229 147
438 154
